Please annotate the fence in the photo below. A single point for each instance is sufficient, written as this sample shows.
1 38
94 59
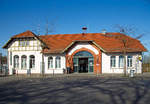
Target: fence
146 67
3 70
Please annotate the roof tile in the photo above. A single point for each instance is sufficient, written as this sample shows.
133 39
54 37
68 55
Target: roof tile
24 34
111 42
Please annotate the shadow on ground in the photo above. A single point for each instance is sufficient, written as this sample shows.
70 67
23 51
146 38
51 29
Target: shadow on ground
75 90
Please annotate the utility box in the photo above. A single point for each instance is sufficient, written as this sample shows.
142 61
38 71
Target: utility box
132 73
28 71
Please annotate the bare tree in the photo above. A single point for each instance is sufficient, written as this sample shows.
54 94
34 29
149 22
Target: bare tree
50 27
126 42
36 29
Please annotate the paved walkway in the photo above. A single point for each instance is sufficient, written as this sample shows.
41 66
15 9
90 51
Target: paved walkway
75 89
74 75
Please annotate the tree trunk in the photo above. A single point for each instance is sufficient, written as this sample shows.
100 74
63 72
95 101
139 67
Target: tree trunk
125 66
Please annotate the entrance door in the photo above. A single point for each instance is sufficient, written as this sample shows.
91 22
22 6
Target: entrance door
83 65
83 62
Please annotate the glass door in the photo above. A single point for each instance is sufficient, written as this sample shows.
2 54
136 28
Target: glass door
83 61
90 64
75 64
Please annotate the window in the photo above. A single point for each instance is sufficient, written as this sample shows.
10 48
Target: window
27 43
58 62
129 61
23 62
23 43
113 61
83 54
32 61
121 61
50 62
16 61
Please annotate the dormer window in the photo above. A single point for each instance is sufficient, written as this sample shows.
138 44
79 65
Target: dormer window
24 43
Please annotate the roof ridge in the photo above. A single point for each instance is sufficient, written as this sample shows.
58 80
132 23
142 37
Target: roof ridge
79 34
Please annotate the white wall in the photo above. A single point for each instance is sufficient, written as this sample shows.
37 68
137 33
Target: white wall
38 60
106 68
55 70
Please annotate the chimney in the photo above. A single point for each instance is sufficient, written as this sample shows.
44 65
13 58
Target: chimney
84 30
104 31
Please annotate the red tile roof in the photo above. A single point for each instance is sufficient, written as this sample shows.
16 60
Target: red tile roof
24 34
109 42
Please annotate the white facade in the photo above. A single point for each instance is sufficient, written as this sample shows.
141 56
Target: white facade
34 48
19 70
55 70
106 63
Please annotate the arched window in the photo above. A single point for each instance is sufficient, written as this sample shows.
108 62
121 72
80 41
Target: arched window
23 62
129 61
32 61
83 54
121 61
16 61
113 61
58 62
50 62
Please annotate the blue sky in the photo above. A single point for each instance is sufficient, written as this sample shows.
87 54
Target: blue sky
69 16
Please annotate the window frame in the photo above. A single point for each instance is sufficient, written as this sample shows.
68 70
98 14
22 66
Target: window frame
24 43
31 61
113 61
23 64
129 61
121 65
58 62
50 62
16 61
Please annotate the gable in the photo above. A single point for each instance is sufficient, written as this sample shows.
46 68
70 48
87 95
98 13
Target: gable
25 36
80 45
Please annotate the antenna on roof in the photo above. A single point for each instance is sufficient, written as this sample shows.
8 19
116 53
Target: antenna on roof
38 29
47 27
